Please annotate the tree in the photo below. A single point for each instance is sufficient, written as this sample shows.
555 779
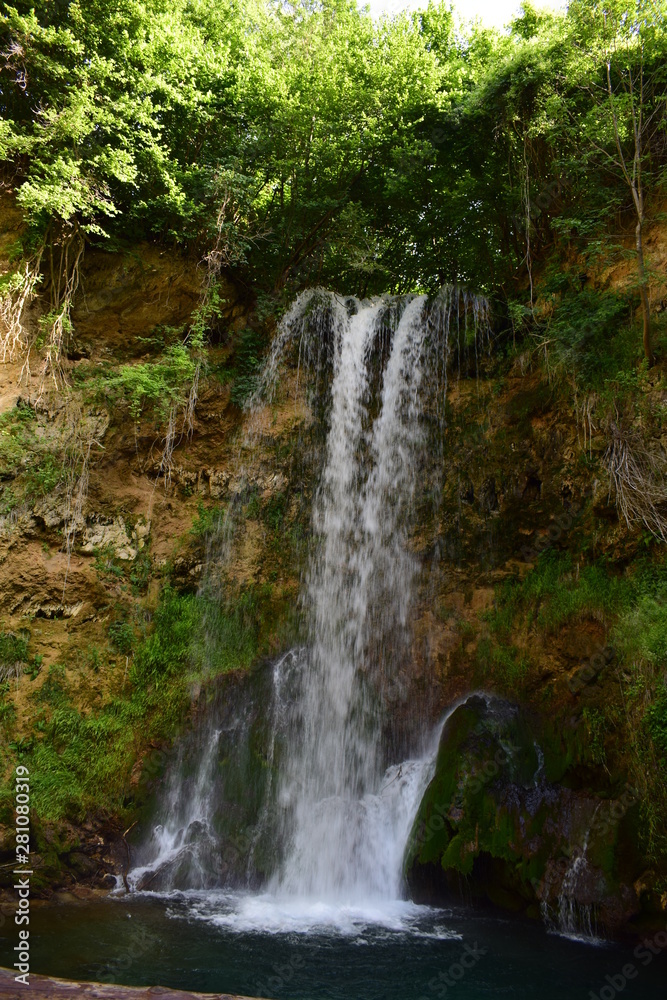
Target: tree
620 66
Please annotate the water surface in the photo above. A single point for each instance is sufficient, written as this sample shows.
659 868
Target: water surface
259 946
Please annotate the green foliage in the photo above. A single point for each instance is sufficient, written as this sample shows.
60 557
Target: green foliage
30 468
159 383
248 349
107 565
81 762
140 572
596 725
274 511
633 608
54 690
310 143
82 758
556 591
253 506
640 638
592 334
641 633
13 649
34 667
198 634
207 520
656 724
122 636
505 663
7 714
167 649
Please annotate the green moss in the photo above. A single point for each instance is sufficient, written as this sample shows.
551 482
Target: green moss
457 857
459 815
491 811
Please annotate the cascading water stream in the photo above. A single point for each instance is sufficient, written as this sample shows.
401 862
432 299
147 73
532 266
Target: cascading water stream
339 817
359 591
573 919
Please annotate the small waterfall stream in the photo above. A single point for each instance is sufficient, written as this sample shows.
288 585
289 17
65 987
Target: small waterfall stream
339 815
570 918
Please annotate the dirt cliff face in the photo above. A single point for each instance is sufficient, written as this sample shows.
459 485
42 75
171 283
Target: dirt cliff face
524 564
92 531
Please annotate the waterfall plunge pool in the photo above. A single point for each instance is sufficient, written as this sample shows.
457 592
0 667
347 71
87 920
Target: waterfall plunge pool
285 950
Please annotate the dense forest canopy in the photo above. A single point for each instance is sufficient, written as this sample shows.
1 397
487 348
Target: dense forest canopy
306 142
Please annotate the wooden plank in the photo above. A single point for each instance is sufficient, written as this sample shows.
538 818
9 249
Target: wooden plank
48 988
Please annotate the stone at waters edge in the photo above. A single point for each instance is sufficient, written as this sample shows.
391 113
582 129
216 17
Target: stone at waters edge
48 988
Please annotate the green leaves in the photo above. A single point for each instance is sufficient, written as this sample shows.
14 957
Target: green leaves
161 382
307 143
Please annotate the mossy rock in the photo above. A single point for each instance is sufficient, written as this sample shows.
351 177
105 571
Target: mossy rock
490 827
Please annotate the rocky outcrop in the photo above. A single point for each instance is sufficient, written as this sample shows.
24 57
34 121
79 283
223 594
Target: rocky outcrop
491 827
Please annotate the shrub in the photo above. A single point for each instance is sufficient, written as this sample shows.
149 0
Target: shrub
13 649
122 636
247 362
157 383
592 335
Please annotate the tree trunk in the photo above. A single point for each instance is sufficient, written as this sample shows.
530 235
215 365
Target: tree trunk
643 291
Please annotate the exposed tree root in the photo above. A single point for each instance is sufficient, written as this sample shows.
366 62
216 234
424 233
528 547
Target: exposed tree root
637 477
14 338
64 284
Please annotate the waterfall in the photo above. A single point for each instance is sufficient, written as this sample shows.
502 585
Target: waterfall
576 920
359 588
574 915
337 815
186 840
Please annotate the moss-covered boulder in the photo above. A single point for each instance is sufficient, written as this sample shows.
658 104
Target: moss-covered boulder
491 828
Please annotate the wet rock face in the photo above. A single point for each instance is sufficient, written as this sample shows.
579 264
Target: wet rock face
491 828
228 758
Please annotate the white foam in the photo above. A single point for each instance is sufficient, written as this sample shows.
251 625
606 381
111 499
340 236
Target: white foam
287 915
